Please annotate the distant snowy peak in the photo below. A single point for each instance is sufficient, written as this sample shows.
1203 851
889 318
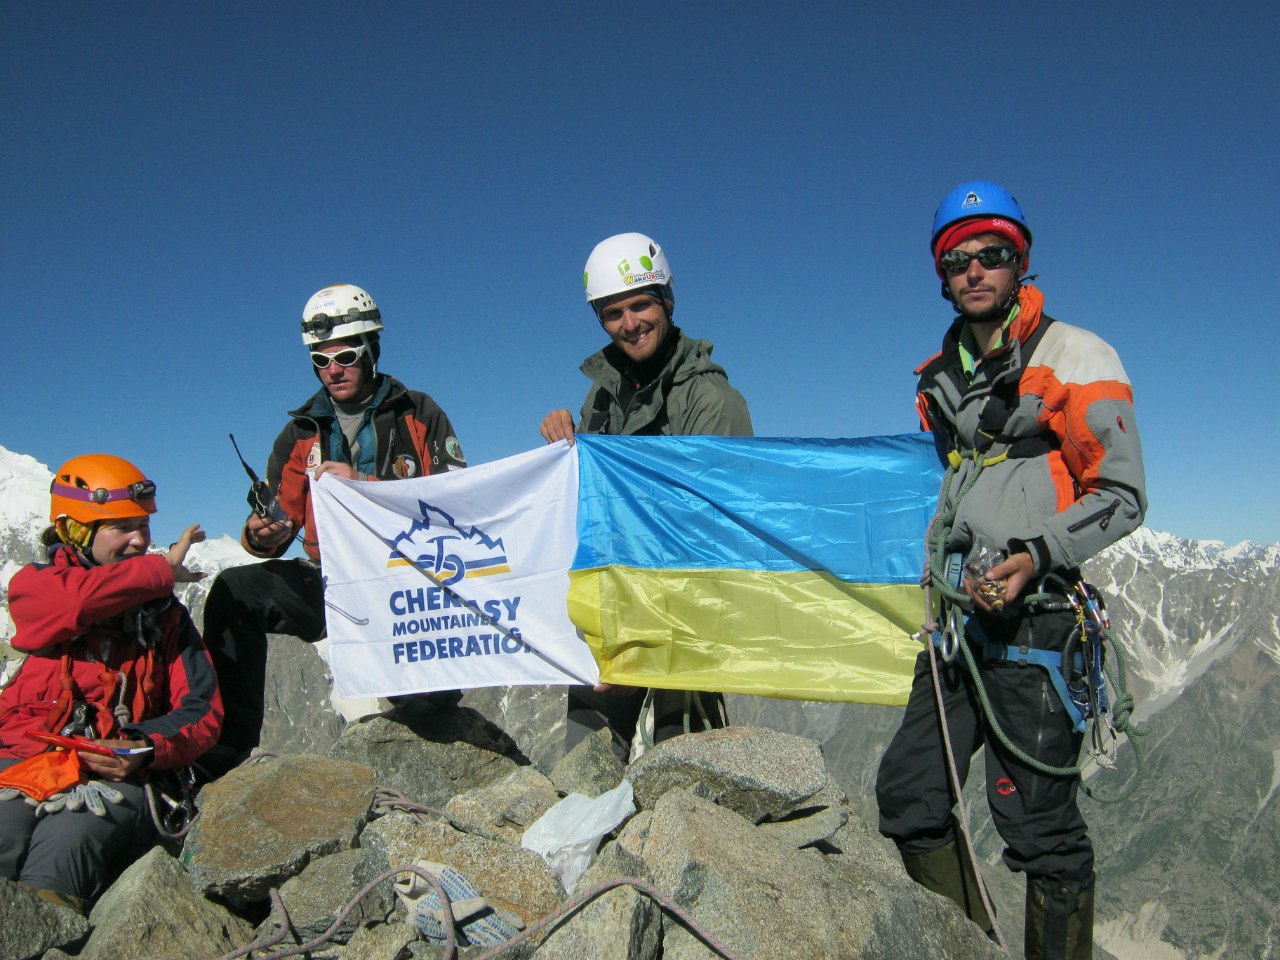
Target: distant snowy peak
216 555
1176 554
24 493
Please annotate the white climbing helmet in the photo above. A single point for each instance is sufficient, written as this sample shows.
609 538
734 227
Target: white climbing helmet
627 262
342 310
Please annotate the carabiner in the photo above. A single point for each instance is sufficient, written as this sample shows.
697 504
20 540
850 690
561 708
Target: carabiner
1065 590
1091 606
950 644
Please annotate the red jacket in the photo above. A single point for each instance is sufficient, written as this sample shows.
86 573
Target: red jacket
92 623
409 436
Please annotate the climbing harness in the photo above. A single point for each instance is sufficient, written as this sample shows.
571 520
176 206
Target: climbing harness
1083 687
1083 691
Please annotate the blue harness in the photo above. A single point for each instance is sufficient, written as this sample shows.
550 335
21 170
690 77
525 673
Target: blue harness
1087 685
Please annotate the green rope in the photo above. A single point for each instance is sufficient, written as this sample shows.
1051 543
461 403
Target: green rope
938 535
692 705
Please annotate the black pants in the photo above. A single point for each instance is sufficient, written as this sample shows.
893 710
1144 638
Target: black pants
589 711
1035 814
244 605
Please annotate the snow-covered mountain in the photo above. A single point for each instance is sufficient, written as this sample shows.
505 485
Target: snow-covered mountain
1190 555
1181 605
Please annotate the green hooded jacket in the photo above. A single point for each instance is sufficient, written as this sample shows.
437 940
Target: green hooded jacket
690 397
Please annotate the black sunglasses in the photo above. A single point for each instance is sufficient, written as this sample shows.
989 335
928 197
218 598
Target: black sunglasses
956 262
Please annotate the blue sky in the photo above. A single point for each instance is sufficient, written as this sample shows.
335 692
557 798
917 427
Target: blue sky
180 177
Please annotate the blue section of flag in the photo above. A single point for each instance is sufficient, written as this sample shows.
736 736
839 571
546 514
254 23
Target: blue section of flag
856 508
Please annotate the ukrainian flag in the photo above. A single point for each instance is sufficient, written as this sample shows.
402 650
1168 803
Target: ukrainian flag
776 567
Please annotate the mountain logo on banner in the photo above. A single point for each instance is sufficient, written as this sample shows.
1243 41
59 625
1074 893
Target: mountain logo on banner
437 545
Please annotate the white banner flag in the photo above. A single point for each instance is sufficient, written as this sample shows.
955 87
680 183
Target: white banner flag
453 581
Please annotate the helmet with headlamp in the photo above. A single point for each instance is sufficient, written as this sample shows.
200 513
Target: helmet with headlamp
337 312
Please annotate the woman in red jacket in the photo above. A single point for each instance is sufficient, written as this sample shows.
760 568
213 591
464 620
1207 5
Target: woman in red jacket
113 658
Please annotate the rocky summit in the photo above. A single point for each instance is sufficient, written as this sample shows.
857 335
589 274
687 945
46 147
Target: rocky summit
739 845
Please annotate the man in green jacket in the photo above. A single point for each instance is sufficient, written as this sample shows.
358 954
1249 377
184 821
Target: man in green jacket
652 380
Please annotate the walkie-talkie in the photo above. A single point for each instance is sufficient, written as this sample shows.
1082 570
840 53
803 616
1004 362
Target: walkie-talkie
261 500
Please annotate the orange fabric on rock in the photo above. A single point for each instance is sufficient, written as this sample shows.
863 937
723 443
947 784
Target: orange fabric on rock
43 775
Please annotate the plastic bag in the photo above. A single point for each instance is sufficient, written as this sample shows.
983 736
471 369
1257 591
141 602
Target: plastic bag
568 834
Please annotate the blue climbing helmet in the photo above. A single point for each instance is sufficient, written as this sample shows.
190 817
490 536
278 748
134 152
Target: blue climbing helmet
978 200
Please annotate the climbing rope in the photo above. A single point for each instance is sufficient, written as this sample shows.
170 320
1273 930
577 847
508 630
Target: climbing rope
176 823
955 600
280 917
693 706
954 774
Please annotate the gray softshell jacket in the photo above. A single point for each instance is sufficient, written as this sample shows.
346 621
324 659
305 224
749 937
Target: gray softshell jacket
1058 403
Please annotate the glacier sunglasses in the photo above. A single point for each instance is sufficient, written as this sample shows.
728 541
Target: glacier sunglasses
343 358
956 262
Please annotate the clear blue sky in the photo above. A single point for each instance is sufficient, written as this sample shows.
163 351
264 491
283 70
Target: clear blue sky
180 177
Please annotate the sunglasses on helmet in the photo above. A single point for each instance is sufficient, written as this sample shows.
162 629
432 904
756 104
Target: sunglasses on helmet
141 490
348 357
956 262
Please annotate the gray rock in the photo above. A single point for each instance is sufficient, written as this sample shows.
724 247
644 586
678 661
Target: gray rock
761 774
534 716
315 896
29 925
590 768
620 924
809 830
622 857
153 911
763 899
379 941
430 756
300 716
263 823
508 877
504 809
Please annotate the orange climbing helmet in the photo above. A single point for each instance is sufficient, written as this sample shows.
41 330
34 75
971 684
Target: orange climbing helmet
98 486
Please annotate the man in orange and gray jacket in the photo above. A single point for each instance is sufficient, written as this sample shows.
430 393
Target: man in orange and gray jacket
361 425
1048 408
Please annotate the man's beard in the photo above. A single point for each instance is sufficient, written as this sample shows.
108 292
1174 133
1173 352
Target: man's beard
998 312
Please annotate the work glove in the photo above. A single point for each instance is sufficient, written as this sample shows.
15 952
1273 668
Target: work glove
8 793
93 794
481 924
